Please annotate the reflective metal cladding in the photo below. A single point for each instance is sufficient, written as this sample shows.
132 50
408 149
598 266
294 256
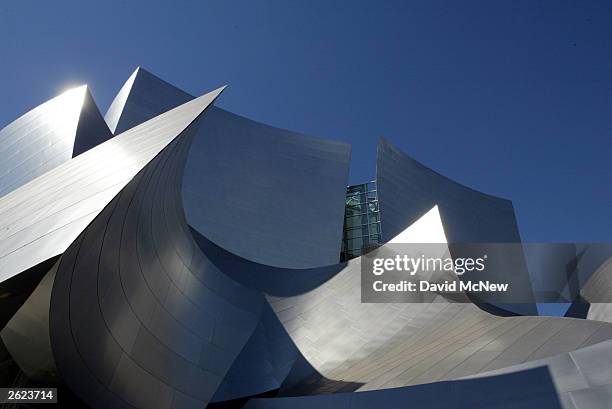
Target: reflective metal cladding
41 219
248 184
193 260
48 136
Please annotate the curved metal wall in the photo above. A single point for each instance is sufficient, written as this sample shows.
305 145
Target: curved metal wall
577 379
393 345
40 220
139 317
407 189
142 97
532 389
381 346
26 335
596 291
264 362
269 195
48 136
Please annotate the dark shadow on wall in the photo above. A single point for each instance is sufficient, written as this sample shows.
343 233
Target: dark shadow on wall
579 308
314 385
16 290
529 389
276 281
12 376
240 402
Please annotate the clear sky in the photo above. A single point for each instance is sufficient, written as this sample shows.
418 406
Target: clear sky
511 98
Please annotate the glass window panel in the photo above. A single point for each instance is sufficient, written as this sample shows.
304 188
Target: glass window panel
353 200
362 219
356 189
354 233
354 243
352 210
349 221
355 221
353 254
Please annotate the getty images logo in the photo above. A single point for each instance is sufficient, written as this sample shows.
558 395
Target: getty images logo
412 265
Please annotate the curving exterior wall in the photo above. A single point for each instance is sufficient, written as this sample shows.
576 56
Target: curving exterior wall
49 135
41 219
393 345
276 200
407 189
263 363
526 389
369 347
134 282
581 377
574 380
142 97
26 335
596 293
269 195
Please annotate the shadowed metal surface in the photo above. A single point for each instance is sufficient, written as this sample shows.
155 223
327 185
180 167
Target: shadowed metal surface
48 136
582 378
278 199
524 390
264 362
596 290
26 335
41 219
269 195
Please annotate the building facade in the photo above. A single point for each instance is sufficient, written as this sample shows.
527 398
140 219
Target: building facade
177 255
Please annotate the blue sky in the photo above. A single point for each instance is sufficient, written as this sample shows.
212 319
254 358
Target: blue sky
511 98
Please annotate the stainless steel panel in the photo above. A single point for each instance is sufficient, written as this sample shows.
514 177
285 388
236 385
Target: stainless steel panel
272 196
48 136
41 219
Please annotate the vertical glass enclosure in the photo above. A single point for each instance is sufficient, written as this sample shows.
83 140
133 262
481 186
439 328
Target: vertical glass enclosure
361 220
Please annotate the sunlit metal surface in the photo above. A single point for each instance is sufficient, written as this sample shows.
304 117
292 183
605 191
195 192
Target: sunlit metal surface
48 136
269 195
41 219
367 347
393 345
142 97
573 380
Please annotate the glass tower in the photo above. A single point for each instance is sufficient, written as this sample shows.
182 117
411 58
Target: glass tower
361 220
